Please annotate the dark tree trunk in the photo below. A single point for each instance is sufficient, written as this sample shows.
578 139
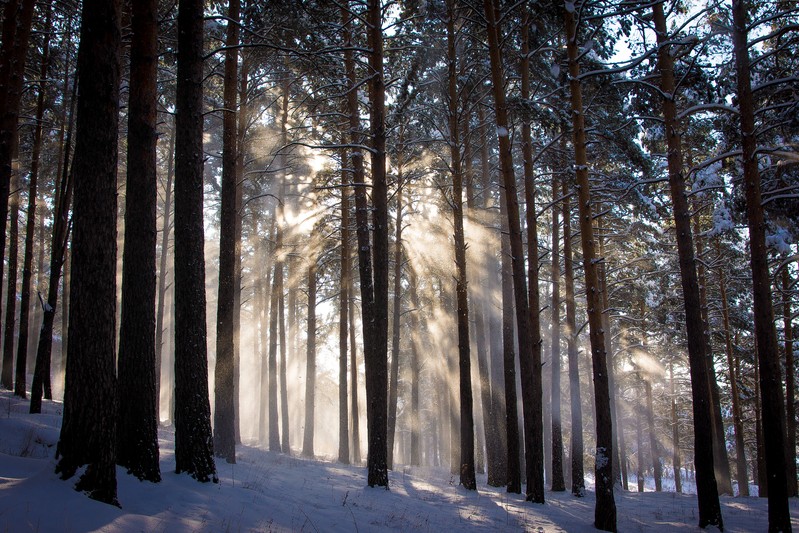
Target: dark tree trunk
735 396
194 445
707 491
30 224
58 253
343 302
466 466
375 359
88 431
530 369
241 131
675 435
137 422
558 483
285 272
355 431
17 21
575 400
790 377
654 449
393 381
284 401
639 444
9 329
274 302
224 375
310 365
605 511
415 364
779 518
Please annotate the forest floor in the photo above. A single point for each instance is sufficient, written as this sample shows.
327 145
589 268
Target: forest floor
268 491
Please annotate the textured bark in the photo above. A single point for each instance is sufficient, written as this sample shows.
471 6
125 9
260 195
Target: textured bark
707 491
605 511
274 301
415 372
193 438
224 374
137 422
285 447
9 328
575 401
355 431
376 359
88 430
779 518
735 395
310 366
654 448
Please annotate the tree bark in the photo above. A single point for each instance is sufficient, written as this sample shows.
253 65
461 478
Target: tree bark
9 329
224 374
790 377
779 518
605 511
575 400
193 437
88 431
310 365
707 491
675 434
137 430
393 381
274 302
558 483
415 364
344 300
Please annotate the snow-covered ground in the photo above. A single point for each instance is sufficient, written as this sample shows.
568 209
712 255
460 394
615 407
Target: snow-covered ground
273 492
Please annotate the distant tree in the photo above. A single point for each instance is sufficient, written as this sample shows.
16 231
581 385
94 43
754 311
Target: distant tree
310 365
193 439
137 429
88 431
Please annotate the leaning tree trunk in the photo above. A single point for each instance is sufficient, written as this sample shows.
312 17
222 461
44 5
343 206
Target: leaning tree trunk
779 518
707 491
224 375
194 452
605 511
88 431
137 431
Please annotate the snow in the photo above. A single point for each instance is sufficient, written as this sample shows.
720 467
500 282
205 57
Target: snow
268 491
502 131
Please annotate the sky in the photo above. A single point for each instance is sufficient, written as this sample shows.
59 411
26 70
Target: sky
274 492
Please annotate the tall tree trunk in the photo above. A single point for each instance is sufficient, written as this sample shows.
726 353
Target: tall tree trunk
415 364
466 466
265 300
721 461
162 271
639 443
735 396
344 301
30 223
393 381
274 301
17 21
137 429
193 438
531 376
58 252
355 431
605 511
9 329
657 469
558 483
88 431
790 377
707 491
779 518
376 358
224 374
760 447
241 134
310 365
676 460
532 416
575 400
285 445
